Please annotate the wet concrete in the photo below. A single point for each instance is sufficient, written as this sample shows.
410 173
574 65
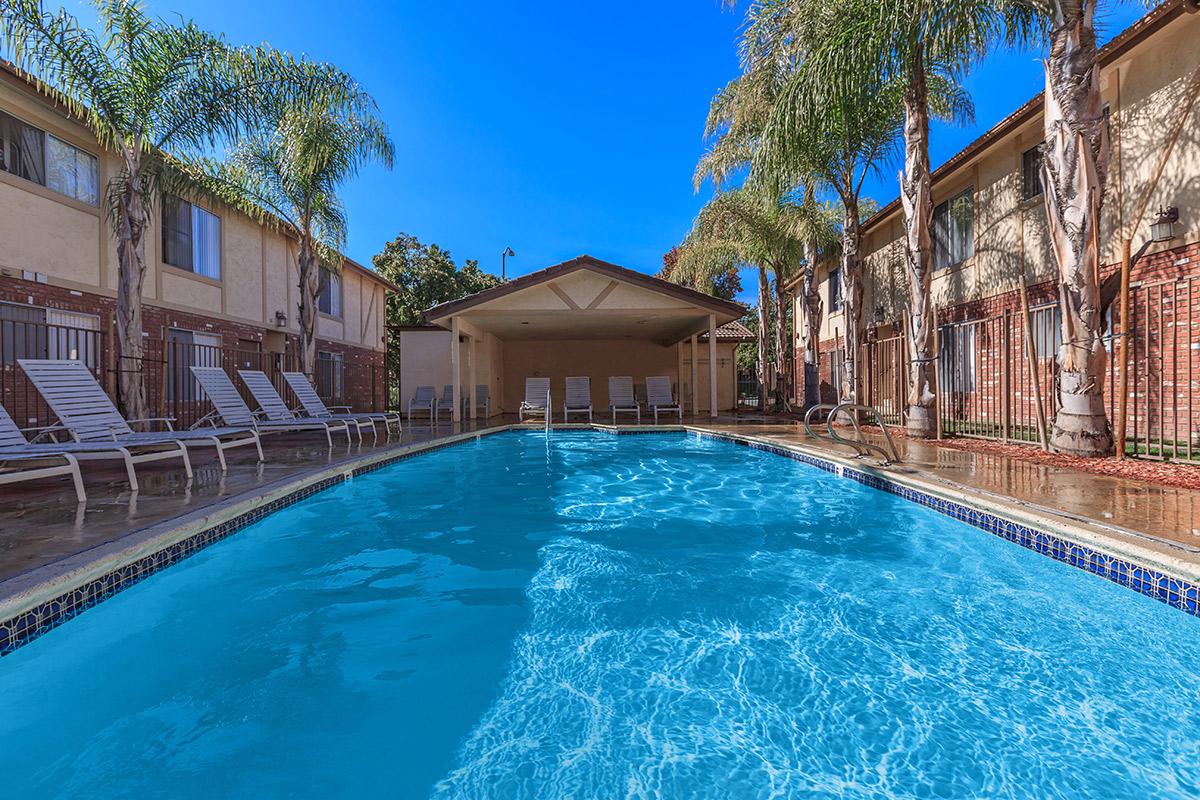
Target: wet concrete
40 522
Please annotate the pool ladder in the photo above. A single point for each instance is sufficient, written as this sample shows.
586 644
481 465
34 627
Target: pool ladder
861 446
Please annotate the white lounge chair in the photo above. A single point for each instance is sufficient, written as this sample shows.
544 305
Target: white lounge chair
22 461
272 407
537 399
578 397
621 399
232 409
87 413
660 398
423 400
315 407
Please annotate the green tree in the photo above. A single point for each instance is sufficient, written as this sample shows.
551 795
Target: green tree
146 88
826 137
427 276
726 285
292 172
746 227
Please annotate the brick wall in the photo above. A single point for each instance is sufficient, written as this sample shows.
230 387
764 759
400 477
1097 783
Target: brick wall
363 371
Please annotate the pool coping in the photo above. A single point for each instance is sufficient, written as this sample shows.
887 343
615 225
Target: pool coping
37 601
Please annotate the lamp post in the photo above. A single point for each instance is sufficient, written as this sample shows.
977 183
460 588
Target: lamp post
1162 229
508 251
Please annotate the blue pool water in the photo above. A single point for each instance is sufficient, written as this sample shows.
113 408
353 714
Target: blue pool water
594 616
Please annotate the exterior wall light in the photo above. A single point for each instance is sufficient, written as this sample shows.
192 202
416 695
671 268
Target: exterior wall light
1163 227
280 319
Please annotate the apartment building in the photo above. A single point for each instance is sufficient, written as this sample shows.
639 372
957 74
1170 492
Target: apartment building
990 237
221 288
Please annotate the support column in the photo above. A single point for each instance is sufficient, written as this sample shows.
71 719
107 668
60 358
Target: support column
473 376
712 365
455 371
695 388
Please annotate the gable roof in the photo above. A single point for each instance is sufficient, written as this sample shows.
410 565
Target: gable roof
586 262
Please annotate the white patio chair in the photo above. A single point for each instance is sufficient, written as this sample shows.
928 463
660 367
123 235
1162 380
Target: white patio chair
232 409
660 398
423 400
22 461
446 402
578 397
315 407
273 408
86 412
482 401
621 398
537 399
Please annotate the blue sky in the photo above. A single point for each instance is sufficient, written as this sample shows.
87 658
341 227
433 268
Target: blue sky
555 127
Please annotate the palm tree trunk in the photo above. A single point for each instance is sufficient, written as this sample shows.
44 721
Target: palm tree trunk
852 299
810 327
131 275
310 289
782 351
1074 171
764 302
917 199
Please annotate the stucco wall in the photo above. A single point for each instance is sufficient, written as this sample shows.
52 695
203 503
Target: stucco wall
69 242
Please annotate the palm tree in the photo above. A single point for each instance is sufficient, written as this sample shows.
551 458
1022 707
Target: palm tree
925 46
745 227
832 136
290 176
146 88
817 229
1074 174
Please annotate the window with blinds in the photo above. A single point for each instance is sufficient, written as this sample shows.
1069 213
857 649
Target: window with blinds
1031 173
31 153
954 230
329 300
191 238
37 332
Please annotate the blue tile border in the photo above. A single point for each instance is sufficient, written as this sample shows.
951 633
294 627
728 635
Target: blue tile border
29 625
1175 592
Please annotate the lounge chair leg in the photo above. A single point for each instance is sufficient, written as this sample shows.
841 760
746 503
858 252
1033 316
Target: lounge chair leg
220 453
187 461
76 478
258 446
133 482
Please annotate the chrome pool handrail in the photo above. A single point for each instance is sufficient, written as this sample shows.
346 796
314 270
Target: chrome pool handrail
808 418
861 445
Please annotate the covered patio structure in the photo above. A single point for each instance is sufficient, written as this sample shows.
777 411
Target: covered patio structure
583 317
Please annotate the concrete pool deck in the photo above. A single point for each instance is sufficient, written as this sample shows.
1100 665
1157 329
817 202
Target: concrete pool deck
48 542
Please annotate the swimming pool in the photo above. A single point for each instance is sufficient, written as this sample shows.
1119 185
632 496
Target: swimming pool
585 615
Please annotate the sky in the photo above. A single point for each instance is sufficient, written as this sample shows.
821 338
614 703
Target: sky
556 127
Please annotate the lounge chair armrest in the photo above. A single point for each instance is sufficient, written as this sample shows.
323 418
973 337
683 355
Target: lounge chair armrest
347 409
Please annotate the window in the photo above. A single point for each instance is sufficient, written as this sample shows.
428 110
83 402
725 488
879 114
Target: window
329 375
1031 173
36 332
954 230
835 290
837 357
191 238
33 154
187 349
329 301
956 359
